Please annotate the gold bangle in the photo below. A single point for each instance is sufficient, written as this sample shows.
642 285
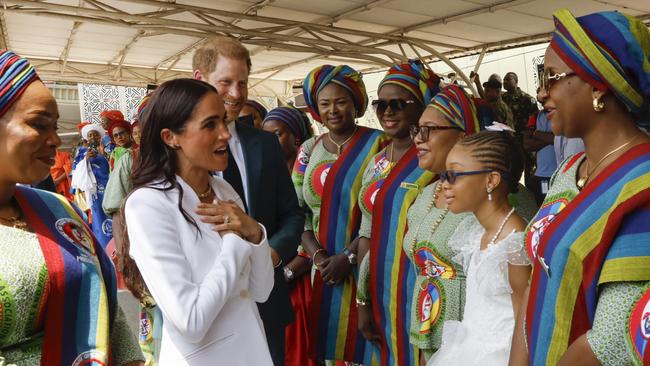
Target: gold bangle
320 250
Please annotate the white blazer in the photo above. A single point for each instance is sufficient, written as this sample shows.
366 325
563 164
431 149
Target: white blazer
205 285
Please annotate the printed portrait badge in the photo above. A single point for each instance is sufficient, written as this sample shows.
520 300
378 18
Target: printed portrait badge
370 194
319 176
544 218
429 306
77 234
91 358
639 330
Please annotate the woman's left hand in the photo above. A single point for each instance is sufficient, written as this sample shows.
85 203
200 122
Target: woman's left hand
335 269
228 217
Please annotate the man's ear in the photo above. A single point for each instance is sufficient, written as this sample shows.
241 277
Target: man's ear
197 75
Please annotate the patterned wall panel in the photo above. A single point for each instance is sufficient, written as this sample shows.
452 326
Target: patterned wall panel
95 98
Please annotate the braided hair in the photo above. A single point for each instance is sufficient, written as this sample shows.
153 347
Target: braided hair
499 151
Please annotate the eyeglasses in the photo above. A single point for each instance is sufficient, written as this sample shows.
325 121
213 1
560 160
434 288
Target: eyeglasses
424 131
117 135
451 175
548 80
395 105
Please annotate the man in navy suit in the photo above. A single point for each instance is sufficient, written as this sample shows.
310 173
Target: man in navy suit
258 172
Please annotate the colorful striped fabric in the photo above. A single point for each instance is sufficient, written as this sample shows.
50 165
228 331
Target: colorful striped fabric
292 117
333 313
16 74
81 300
458 107
600 236
392 276
638 332
343 76
414 77
610 51
261 110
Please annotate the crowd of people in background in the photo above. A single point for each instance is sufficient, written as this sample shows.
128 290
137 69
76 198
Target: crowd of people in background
246 239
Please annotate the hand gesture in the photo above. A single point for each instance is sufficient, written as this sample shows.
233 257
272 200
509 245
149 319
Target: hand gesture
227 217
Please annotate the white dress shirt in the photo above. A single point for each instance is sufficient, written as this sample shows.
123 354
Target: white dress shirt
238 154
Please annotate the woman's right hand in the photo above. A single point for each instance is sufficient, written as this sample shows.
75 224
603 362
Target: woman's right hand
365 324
228 217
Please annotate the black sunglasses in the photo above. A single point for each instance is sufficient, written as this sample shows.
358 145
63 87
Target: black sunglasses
395 105
424 131
451 175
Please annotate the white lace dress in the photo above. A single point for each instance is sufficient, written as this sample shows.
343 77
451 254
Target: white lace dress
484 335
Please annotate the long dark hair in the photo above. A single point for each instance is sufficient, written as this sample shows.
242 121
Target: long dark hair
170 106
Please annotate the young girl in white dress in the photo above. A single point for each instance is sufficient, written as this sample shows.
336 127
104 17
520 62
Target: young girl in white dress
482 170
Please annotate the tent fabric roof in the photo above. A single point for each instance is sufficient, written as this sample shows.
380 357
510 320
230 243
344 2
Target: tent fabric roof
149 41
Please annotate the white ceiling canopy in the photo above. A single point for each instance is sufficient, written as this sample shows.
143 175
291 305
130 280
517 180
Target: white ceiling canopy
136 42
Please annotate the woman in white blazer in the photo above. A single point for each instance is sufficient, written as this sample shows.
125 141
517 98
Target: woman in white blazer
203 259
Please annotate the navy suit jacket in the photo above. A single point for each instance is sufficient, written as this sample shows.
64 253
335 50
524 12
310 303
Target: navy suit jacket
272 202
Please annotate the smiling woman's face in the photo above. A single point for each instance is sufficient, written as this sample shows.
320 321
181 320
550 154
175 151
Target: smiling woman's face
28 138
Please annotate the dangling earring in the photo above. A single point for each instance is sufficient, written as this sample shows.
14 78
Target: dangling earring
598 104
489 192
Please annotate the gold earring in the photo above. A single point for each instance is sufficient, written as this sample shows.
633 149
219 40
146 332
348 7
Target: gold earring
598 104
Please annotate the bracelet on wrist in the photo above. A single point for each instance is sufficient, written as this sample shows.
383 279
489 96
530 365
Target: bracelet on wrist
362 302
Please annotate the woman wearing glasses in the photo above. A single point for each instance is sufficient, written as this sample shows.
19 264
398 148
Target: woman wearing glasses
390 185
589 242
120 132
483 170
327 175
439 289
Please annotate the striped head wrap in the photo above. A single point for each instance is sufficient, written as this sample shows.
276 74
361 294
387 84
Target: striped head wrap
343 76
16 74
295 119
258 107
608 50
458 107
414 77
112 115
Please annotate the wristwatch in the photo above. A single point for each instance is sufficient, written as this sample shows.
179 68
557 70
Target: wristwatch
288 274
352 258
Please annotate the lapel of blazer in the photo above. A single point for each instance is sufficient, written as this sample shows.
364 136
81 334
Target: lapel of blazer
253 157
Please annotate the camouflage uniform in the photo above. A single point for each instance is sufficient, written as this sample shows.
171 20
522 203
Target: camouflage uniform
503 112
522 106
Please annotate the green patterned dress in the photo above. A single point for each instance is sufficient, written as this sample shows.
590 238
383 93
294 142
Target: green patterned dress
24 287
311 182
440 283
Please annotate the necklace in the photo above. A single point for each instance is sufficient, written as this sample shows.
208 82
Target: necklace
583 181
435 224
339 147
503 224
206 193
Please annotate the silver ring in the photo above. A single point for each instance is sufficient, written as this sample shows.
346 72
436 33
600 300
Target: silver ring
331 282
226 219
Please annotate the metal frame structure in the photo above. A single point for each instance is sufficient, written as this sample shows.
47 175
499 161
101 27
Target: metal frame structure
320 39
